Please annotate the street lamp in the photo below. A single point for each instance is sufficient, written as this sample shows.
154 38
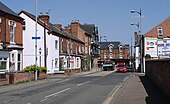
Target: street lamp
40 51
36 4
106 49
136 25
100 43
140 15
141 39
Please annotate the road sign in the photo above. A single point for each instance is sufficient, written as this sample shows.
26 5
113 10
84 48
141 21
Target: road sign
71 59
35 37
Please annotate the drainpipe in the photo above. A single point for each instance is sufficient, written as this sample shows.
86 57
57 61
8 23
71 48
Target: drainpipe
45 48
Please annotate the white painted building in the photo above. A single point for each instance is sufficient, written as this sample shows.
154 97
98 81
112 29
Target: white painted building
48 43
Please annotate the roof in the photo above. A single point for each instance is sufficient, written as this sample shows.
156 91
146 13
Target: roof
66 34
7 10
89 28
104 45
51 27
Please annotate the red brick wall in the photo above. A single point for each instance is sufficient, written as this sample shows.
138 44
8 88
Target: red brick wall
115 53
17 32
14 78
4 81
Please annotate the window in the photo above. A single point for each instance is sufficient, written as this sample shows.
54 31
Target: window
110 49
105 56
19 62
68 47
3 63
56 62
77 62
83 50
79 49
71 48
121 55
61 45
23 26
120 49
56 44
111 55
160 31
12 26
12 61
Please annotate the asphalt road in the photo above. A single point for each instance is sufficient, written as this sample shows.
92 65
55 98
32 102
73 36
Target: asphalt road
93 88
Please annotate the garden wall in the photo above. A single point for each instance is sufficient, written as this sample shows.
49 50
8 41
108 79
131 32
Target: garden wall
158 71
15 78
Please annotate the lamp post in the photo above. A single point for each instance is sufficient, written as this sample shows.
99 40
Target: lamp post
141 38
100 44
40 51
140 15
36 4
106 49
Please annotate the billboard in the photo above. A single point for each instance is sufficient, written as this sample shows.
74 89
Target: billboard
163 47
151 46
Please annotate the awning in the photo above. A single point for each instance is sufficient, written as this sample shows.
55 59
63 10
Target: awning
4 54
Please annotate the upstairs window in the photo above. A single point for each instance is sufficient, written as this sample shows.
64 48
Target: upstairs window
56 44
12 26
110 49
160 31
61 45
68 51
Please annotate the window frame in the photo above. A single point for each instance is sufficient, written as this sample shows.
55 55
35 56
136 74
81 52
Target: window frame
160 31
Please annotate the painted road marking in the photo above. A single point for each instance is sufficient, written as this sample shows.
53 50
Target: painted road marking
83 83
57 93
11 100
114 91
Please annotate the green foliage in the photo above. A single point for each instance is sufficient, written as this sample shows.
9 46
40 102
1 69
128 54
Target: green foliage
34 68
147 56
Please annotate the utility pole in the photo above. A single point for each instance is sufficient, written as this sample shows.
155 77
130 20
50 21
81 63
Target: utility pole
36 40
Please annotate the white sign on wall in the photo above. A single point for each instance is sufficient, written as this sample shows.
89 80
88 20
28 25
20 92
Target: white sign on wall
151 46
164 47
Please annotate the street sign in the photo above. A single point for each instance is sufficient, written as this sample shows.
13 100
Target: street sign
71 59
35 37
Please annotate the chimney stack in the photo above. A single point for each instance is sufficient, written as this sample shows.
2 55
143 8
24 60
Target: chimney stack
44 17
59 26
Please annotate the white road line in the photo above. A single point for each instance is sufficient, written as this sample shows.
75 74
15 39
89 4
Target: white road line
114 91
6 101
63 80
57 93
43 100
83 83
11 100
111 94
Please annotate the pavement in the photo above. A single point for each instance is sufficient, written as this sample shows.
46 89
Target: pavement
137 89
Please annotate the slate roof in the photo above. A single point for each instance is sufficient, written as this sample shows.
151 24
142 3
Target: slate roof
89 28
51 27
7 10
104 45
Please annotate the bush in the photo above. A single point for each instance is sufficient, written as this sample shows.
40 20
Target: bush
34 68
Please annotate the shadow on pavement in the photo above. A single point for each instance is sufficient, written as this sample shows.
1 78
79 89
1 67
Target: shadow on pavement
154 95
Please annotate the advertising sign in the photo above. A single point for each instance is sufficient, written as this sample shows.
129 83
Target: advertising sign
164 47
151 46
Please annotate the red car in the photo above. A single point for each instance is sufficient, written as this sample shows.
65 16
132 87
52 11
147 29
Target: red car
121 68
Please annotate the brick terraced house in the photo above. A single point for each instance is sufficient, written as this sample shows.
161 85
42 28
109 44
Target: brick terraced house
11 43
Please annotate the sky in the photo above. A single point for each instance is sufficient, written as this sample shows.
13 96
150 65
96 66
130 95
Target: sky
112 17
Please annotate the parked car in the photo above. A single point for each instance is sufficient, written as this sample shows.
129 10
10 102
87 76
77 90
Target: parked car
108 65
121 68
